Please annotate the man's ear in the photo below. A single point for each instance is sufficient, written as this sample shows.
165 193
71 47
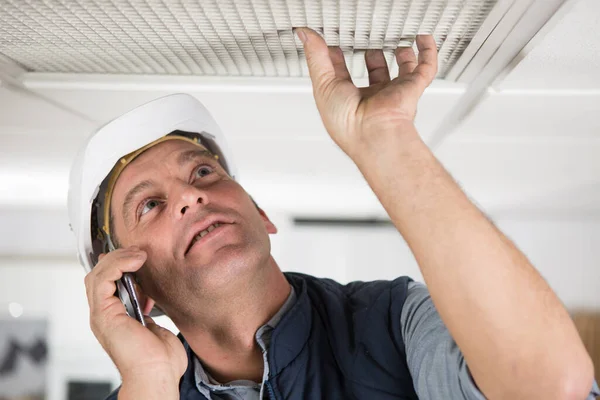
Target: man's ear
271 228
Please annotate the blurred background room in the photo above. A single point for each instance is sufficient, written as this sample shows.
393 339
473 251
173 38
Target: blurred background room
513 115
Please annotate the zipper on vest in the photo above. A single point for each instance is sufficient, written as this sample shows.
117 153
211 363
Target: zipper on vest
270 389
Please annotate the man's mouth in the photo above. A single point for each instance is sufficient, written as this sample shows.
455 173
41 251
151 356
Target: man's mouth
198 236
205 232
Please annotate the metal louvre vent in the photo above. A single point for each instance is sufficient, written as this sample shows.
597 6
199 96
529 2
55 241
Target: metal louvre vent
224 37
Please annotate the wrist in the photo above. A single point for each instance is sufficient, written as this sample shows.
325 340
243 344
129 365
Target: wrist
150 386
403 139
151 383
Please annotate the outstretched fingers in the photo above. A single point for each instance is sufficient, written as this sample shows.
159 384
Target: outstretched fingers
339 63
407 61
426 70
320 65
377 67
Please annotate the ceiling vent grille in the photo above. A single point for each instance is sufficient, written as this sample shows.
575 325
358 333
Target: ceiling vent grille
224 37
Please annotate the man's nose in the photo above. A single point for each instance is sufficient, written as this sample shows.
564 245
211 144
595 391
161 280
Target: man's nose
189 199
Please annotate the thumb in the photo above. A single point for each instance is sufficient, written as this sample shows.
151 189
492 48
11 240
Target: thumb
320 67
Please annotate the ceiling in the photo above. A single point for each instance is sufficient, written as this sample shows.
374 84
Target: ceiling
225 37
530 145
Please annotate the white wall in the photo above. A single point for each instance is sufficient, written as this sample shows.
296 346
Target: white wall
54 291
566 250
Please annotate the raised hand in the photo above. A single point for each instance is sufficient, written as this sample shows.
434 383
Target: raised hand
355 117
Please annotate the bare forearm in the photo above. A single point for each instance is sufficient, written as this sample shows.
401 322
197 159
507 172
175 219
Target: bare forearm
513 331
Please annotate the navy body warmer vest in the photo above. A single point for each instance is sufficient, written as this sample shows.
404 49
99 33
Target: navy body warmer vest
336 342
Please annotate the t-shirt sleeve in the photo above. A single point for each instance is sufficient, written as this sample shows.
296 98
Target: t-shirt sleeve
114 395
436 364
595 391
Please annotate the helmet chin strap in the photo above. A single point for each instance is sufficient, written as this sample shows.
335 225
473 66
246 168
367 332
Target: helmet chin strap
109 243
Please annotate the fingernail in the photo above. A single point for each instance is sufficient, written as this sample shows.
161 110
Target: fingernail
301 35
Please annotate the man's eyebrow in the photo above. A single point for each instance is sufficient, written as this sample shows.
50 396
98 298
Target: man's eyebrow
182 159
191 155
134 191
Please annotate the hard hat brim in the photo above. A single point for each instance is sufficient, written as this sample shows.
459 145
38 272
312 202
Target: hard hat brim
124 135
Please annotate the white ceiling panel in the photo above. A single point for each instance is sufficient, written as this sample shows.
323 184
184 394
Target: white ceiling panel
567 57
21 111
242 111
535 114
528 172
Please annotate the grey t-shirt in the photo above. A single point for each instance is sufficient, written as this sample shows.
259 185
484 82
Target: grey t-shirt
436 364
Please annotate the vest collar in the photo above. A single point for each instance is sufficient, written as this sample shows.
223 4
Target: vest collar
288 338
293 330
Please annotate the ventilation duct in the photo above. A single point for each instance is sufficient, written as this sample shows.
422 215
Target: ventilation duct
243 37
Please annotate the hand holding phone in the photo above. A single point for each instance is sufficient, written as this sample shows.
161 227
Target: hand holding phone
127 293
129 298
136 350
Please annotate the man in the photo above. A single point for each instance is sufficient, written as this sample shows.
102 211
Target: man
199 247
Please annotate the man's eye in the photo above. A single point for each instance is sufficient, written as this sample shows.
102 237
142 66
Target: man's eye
150 204
203 170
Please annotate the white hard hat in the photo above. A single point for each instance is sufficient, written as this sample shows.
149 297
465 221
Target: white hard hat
126 134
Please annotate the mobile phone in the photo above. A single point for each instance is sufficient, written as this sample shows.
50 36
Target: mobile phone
128 295
129 298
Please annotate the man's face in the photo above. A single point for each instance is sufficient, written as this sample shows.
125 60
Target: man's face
164 199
